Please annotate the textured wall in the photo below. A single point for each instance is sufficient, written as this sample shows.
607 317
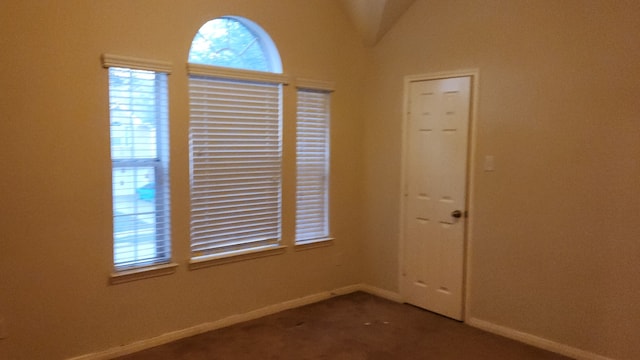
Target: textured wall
55 226
554 240
553 247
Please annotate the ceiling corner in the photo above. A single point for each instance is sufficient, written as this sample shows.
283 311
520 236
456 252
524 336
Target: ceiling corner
374 18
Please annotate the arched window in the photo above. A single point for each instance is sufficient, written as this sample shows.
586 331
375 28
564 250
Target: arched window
235 129
235 42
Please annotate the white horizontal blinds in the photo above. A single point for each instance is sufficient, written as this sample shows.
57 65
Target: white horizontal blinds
312 149
138 105
235 131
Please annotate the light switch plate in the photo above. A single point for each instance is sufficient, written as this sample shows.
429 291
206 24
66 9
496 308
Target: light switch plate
489 163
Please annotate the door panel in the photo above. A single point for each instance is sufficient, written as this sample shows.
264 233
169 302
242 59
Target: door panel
436 176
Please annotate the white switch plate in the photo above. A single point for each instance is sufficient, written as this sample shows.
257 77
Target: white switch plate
489 163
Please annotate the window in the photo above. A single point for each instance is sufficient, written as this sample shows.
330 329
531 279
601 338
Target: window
140 162
235 139
312 148
234 42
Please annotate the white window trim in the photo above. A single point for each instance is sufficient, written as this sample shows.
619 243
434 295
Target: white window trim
309 84
121 277
110 60
225 73
314 244
199 262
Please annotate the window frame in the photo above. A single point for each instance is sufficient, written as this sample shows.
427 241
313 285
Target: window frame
305 160
239 76
264 41
161 264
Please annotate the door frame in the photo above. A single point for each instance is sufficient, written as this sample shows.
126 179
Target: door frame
474 74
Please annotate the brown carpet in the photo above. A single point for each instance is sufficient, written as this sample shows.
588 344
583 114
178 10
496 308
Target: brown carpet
354 326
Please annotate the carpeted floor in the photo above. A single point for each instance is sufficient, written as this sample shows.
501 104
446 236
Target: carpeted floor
355 326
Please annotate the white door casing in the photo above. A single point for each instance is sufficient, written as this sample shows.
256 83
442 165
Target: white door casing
435 194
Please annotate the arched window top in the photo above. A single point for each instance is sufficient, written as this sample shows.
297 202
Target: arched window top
235 42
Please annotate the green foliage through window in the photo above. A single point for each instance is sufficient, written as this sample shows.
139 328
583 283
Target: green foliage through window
235 43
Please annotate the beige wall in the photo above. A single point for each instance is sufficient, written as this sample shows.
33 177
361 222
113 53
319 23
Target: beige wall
55 227
554 249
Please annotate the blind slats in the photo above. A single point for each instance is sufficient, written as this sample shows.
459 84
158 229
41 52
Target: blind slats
204 214
312 148
235 130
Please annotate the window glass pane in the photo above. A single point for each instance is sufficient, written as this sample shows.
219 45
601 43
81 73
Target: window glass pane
235 43
139 154
134 107
134 210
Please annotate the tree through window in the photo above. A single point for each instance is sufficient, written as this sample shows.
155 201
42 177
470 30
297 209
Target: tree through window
236 43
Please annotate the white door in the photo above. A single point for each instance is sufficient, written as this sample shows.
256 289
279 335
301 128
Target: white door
435 194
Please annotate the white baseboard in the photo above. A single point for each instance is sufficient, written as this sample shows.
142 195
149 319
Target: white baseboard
234 319
536 341
385 294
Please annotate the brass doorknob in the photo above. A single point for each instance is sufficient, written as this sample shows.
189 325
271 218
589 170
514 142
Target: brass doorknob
456 214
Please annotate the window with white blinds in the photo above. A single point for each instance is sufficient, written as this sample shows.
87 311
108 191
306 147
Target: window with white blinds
312 154
235 134
138 104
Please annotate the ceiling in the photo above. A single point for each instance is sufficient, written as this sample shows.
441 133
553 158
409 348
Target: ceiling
373 18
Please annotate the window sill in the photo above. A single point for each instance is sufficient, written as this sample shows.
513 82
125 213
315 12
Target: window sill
199 262
142 273
313 244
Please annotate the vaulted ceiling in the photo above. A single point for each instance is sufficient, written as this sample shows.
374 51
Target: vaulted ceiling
373 18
